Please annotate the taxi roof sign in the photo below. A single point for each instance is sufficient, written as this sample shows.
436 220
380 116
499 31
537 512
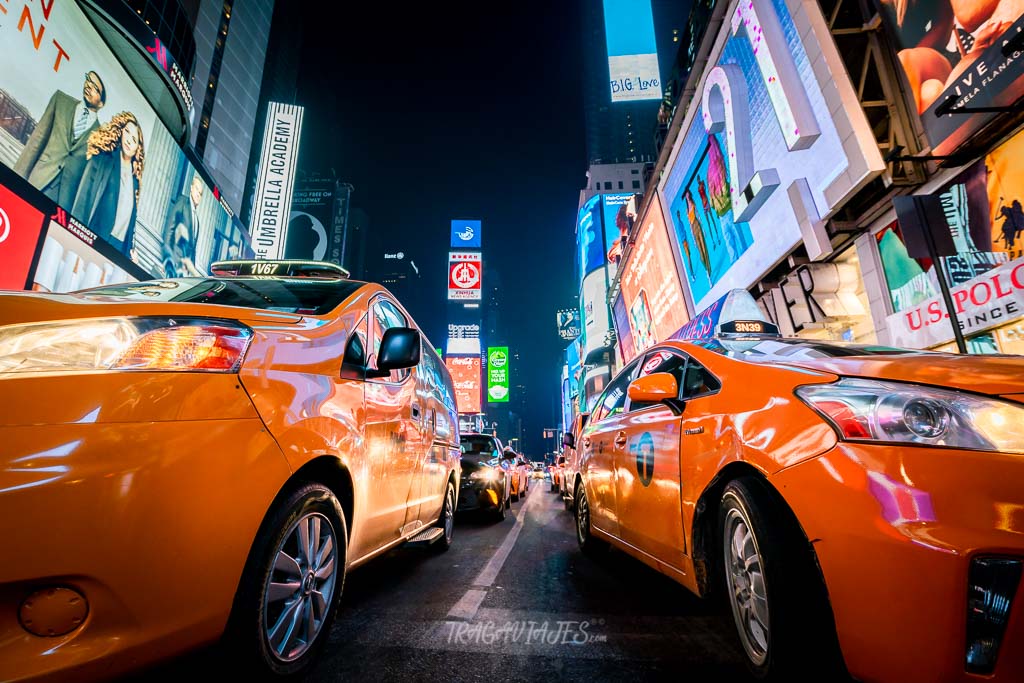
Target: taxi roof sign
279 268
735 314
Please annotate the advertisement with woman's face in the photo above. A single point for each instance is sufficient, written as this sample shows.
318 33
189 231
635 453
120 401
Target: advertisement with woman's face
85 137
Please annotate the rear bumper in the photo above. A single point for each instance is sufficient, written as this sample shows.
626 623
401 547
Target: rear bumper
479 496
895 530
152 522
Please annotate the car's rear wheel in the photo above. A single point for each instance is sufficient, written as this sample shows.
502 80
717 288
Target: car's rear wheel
584 534
778 600
446 521
291 585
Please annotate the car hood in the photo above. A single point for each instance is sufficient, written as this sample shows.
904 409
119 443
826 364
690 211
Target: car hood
994 375
29 307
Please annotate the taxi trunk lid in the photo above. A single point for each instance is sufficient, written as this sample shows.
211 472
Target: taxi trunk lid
992 375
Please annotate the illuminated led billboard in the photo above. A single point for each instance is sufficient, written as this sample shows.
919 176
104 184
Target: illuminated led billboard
772 146
464 276
465 372
497 374
632 51
276 180
465 234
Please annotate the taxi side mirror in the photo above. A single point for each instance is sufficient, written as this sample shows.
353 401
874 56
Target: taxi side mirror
399 349
568 440
658 387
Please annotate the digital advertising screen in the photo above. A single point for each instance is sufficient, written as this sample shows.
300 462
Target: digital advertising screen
311 221
466 234
774 137
632 52
465 372
71 120
20 227
68 262
498 368
652 292
465 274
956 57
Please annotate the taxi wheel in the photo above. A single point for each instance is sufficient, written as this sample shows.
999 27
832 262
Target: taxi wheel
499 511
778 599
446 521
587 542
291 586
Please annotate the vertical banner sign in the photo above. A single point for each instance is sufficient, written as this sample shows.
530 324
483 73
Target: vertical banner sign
311 221
497 374
632 51
464 276
465 234
465 371
276 179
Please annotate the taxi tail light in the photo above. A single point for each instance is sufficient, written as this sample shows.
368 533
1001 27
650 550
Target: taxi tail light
150 343
897 412
991 586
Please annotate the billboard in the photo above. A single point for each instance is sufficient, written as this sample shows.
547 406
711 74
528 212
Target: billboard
20 227
465 234
275 180
984 211
497 374
568 320
774 144
75 126
463 339
311 225
602 227
465 371
651 290
632 51
464 276
957 57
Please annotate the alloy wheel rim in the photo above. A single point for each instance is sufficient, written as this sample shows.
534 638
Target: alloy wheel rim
300 588
747 594
583 517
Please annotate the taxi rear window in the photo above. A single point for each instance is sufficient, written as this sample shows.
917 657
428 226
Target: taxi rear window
284 295
478 445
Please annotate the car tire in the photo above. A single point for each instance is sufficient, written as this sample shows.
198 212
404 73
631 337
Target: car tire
499 510
568 502
259 637
789 627
446 521
589 544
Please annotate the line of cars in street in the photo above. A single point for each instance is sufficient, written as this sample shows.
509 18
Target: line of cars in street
493 476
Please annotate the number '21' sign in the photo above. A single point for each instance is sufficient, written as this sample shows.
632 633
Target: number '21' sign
726 105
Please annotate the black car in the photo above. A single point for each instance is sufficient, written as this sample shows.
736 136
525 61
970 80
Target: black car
485 484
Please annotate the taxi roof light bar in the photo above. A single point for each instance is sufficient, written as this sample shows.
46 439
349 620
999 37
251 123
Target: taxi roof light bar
734 316
279 268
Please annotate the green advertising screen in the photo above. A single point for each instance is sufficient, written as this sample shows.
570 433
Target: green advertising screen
497 374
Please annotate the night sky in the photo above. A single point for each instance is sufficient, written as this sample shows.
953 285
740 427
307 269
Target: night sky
445 110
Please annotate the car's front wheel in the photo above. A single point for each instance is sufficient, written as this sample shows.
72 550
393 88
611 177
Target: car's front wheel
446 521
291 585
584 535
774 588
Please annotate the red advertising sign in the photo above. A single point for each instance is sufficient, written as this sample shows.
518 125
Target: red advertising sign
466 372
464 276
20 227
652 292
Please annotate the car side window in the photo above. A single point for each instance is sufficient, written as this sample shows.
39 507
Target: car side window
385 315
613 400
697 381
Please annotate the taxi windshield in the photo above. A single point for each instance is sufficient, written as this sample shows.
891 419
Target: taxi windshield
783 349
479 448
284 295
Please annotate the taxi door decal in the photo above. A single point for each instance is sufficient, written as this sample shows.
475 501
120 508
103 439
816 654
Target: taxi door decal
643 451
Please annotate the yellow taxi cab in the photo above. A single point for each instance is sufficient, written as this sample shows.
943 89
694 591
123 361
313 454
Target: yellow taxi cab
571 456
201 459
859 506
519 472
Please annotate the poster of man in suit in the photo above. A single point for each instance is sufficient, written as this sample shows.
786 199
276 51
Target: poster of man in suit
180 231
54 157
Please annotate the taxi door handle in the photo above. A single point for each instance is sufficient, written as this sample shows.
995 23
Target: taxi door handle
415 411
586 443
620 439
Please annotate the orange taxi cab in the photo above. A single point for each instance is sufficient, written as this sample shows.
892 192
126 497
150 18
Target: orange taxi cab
859 506
202 459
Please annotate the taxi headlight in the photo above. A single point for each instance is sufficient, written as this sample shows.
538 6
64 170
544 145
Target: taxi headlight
485 474
894 412
154 344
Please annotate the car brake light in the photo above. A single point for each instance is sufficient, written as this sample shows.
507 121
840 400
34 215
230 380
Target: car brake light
154 344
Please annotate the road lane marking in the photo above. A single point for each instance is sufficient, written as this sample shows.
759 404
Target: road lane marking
470 602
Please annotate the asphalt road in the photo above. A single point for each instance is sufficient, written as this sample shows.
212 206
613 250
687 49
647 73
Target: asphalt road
517 600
